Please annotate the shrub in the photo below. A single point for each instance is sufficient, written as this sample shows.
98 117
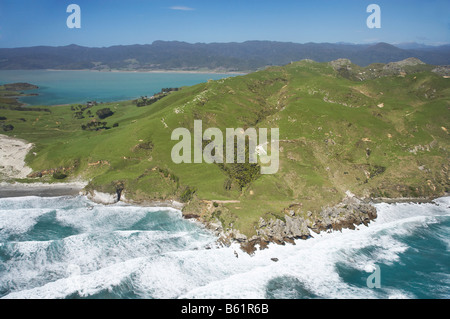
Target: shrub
375 170
79 115
8 127
59 175
175 179
95 126
104 113
187 194
147 146
227 184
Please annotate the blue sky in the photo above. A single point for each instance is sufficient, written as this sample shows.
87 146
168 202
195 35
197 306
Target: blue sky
115 22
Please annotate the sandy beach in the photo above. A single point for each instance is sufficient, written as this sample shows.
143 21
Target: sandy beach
12 157
12 165
40 189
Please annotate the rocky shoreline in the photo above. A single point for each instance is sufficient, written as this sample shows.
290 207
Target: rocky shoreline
109 199
295 224
348 214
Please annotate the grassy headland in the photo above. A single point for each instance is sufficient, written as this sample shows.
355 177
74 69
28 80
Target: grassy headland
377 132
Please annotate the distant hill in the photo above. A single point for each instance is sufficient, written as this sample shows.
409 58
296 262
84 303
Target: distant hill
246 56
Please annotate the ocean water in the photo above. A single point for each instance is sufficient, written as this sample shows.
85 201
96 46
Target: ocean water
66 87
69 247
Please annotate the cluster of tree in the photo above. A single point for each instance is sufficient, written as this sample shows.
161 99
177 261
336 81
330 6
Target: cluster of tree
187 194
80 107
146 146
168 174
95 126
79 110
7 127
26 109
167 90
240 174
78 115
144 100
2 118
104 113
59 175
228 184
375 170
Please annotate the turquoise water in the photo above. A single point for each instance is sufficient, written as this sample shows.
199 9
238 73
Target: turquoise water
66 87
69 247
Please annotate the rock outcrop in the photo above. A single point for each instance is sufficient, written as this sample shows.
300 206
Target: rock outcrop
295 224
443 70
102 198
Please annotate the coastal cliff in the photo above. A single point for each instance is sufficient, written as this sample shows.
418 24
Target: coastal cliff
294 224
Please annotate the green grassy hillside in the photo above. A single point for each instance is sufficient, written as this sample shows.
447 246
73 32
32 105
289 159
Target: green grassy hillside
342 128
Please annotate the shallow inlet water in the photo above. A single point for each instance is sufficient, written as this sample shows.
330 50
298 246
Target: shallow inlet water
69 247
66 87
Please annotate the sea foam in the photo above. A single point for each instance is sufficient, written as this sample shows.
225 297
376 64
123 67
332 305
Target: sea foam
138 252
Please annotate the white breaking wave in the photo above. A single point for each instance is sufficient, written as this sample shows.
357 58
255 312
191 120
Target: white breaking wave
173 258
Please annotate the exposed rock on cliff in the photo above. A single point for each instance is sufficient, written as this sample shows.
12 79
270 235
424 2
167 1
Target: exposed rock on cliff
295 224
103 198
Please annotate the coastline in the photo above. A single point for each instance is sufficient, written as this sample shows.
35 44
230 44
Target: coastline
352 212
40 189
156 71
20 103
18 189
397 200
295 224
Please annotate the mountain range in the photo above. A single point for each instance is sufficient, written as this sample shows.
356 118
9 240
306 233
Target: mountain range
227 57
